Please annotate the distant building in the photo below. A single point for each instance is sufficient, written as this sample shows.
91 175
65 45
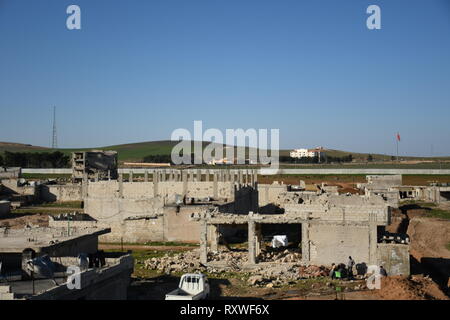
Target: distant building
94 164
220 161
307 153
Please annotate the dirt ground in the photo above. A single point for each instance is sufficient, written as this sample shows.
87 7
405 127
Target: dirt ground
18 221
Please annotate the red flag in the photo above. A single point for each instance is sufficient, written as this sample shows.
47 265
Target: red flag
398 136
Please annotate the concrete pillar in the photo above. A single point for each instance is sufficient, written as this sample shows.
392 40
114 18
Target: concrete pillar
120 181
155 183
109 175
241 177
207 175
184 178
171 175
203 242
255 176
163 175
146 176
96 177
191 176
199 175
251 242
373 239
130 176
305 243
258 239
214 238
85 185
215 186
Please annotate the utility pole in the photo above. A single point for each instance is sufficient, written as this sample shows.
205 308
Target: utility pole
54 139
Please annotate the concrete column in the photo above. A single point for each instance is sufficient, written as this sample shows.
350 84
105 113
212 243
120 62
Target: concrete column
191 176
305 243
120 181
215 186
163 175
96 177
241 177
207 175
373 243
85 185
214 238
171 175
109 175
130 176
155 183
258 239
199 175
146 176
203 242
251 242
184 178
255 176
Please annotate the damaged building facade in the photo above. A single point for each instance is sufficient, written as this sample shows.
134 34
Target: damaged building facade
330 229
36 262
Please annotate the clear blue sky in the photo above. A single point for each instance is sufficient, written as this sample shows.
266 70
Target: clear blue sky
139 69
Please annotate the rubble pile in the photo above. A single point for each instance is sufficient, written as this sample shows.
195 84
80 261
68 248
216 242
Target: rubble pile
188 261
313 271
271 275
284 256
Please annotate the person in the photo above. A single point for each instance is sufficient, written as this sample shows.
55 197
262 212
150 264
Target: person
340 271
383 271
332 271
350 265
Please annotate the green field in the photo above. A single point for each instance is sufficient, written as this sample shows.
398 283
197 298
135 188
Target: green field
135 152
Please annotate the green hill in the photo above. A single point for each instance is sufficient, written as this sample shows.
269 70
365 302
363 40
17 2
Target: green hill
135 152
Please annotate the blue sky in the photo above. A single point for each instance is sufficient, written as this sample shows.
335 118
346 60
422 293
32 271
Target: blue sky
137 70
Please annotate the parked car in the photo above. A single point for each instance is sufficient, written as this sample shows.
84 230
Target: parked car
192 286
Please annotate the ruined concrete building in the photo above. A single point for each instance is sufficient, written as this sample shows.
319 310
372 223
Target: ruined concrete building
35 262
217 206
329 228
96 164
391 188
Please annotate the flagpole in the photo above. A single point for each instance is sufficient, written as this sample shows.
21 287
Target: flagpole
397 149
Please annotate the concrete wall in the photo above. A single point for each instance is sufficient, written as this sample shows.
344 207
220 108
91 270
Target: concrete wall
394 258
10 173
178 226
66 192
11 186
269 193
335 243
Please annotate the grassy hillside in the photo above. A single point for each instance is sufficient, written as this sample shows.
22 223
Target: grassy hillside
135 152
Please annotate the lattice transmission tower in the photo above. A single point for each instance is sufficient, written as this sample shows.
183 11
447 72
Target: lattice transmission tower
54 138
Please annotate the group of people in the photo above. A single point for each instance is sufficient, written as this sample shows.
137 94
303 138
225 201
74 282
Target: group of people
341 271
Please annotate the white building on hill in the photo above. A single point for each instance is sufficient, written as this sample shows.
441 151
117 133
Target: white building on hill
307 153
